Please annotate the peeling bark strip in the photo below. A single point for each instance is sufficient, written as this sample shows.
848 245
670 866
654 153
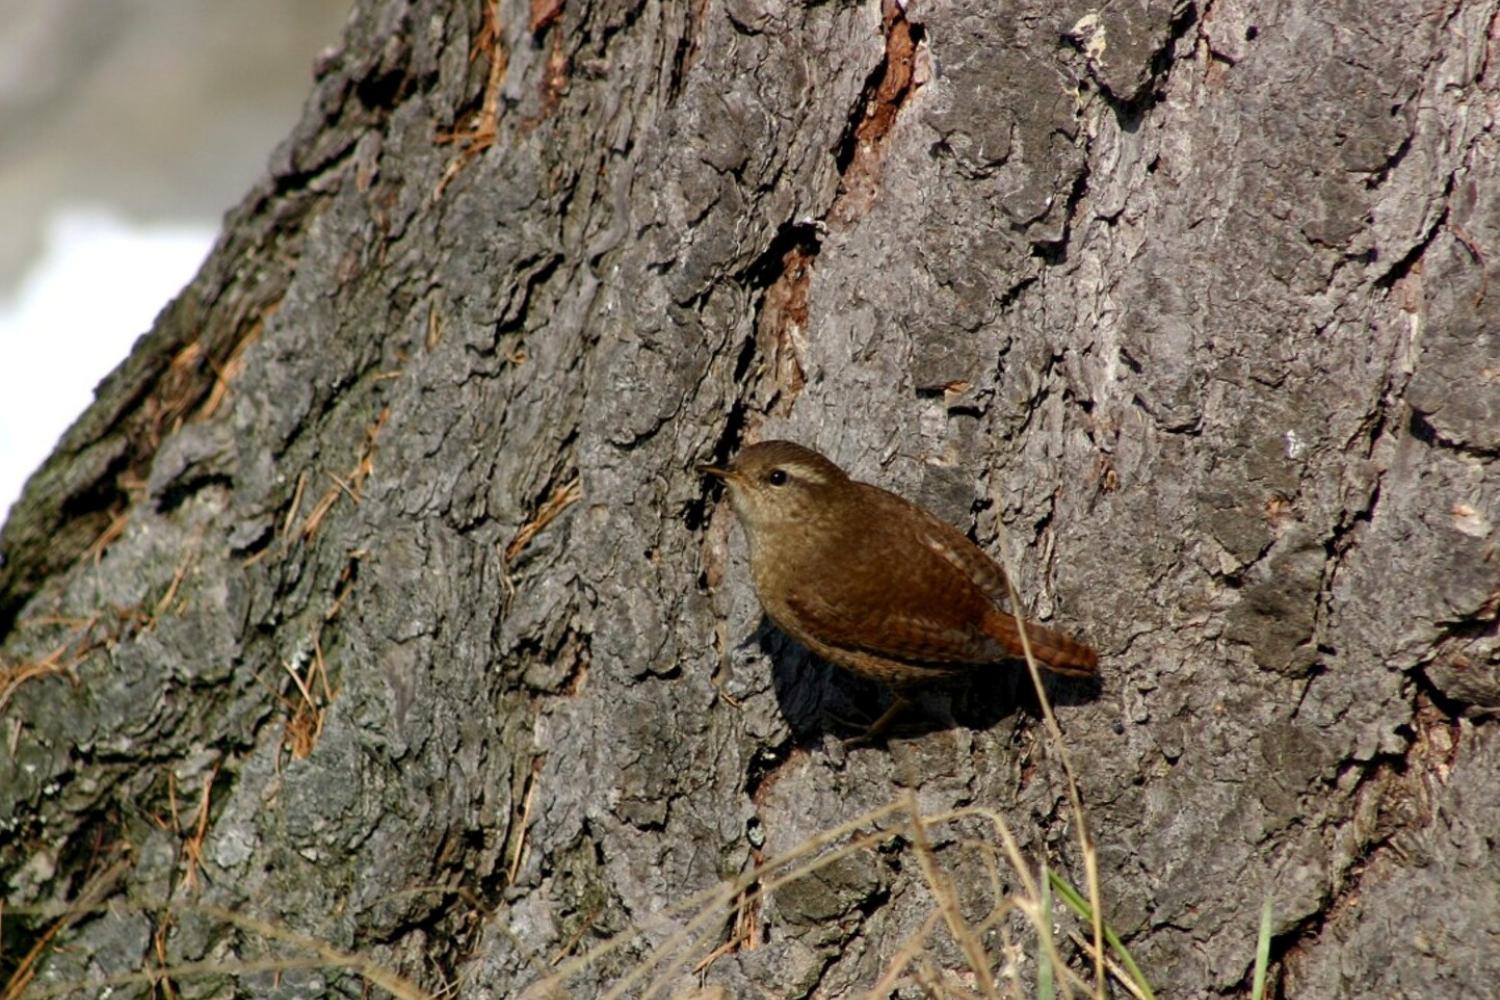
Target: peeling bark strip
781 328
1271 307
889 84
880 103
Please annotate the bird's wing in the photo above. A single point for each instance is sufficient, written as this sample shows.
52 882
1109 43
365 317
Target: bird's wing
1058 652
885 629
902 598
960 553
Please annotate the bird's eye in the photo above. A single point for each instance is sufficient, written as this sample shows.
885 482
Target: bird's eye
777 477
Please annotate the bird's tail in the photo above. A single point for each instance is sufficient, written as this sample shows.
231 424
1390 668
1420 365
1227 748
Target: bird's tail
1057 652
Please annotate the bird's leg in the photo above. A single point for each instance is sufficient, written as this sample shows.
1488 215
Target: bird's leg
875 730
899 704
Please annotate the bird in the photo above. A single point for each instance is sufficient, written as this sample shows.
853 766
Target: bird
873 583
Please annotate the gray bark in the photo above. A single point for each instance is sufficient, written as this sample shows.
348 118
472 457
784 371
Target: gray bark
1197 302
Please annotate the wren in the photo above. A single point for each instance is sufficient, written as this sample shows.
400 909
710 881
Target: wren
872 582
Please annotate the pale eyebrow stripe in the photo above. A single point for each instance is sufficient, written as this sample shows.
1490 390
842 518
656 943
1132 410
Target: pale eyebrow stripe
810 473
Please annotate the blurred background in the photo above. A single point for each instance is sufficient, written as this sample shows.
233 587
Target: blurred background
127 128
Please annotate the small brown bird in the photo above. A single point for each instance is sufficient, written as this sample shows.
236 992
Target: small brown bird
872 582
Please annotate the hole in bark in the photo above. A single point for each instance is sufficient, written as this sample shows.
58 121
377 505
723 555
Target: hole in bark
979 506
868 906
765 761
1422 430
382 91
180 491
768 267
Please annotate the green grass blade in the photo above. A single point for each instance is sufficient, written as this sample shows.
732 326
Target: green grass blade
1080 906
1045 988
1262 952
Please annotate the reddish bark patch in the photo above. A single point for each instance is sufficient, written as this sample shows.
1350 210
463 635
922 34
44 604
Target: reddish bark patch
894 79
543 14
884 94
783 326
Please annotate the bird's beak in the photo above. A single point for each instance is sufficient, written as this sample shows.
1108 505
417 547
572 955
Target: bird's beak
715 471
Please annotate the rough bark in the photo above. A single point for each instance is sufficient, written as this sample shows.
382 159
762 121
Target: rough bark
1195 300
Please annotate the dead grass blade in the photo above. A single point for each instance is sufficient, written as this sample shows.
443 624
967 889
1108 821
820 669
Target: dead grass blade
1075 800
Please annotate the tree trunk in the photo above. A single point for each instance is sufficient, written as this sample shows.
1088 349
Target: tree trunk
376 600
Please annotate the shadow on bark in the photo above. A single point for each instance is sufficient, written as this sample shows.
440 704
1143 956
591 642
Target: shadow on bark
819 700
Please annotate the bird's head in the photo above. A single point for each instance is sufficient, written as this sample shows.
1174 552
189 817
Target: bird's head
778 485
